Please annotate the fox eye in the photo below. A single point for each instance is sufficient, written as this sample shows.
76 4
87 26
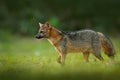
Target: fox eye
41 31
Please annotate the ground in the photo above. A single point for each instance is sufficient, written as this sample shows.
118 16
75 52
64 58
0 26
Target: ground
28 58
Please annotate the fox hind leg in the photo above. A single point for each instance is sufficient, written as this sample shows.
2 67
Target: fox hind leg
96 48
86 56
96 52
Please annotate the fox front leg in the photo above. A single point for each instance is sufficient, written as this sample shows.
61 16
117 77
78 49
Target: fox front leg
61 56
59 59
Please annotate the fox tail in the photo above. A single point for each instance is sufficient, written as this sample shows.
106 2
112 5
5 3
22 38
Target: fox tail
106 45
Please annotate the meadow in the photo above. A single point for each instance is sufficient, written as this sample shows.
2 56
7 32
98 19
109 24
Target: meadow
31 59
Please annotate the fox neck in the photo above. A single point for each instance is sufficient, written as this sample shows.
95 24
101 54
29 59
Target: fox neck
55 36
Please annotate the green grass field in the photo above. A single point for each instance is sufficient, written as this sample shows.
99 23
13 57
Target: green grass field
31 59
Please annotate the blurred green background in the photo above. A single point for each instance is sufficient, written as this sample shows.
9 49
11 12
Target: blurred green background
26 58
22 16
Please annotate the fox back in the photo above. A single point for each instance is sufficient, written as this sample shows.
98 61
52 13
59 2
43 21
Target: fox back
80 40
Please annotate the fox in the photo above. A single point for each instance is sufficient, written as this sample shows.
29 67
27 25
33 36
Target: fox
84 41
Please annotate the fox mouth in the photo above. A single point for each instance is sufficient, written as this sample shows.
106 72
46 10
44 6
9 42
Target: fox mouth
38 37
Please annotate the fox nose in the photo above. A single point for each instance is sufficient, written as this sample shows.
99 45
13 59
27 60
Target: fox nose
37 36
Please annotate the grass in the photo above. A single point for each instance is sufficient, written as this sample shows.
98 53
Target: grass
29 58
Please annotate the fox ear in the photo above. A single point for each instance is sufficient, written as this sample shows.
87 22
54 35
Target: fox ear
47 24
40 24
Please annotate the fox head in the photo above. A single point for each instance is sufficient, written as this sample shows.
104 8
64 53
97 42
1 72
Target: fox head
44 30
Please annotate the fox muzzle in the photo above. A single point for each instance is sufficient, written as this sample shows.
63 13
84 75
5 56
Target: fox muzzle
38 36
